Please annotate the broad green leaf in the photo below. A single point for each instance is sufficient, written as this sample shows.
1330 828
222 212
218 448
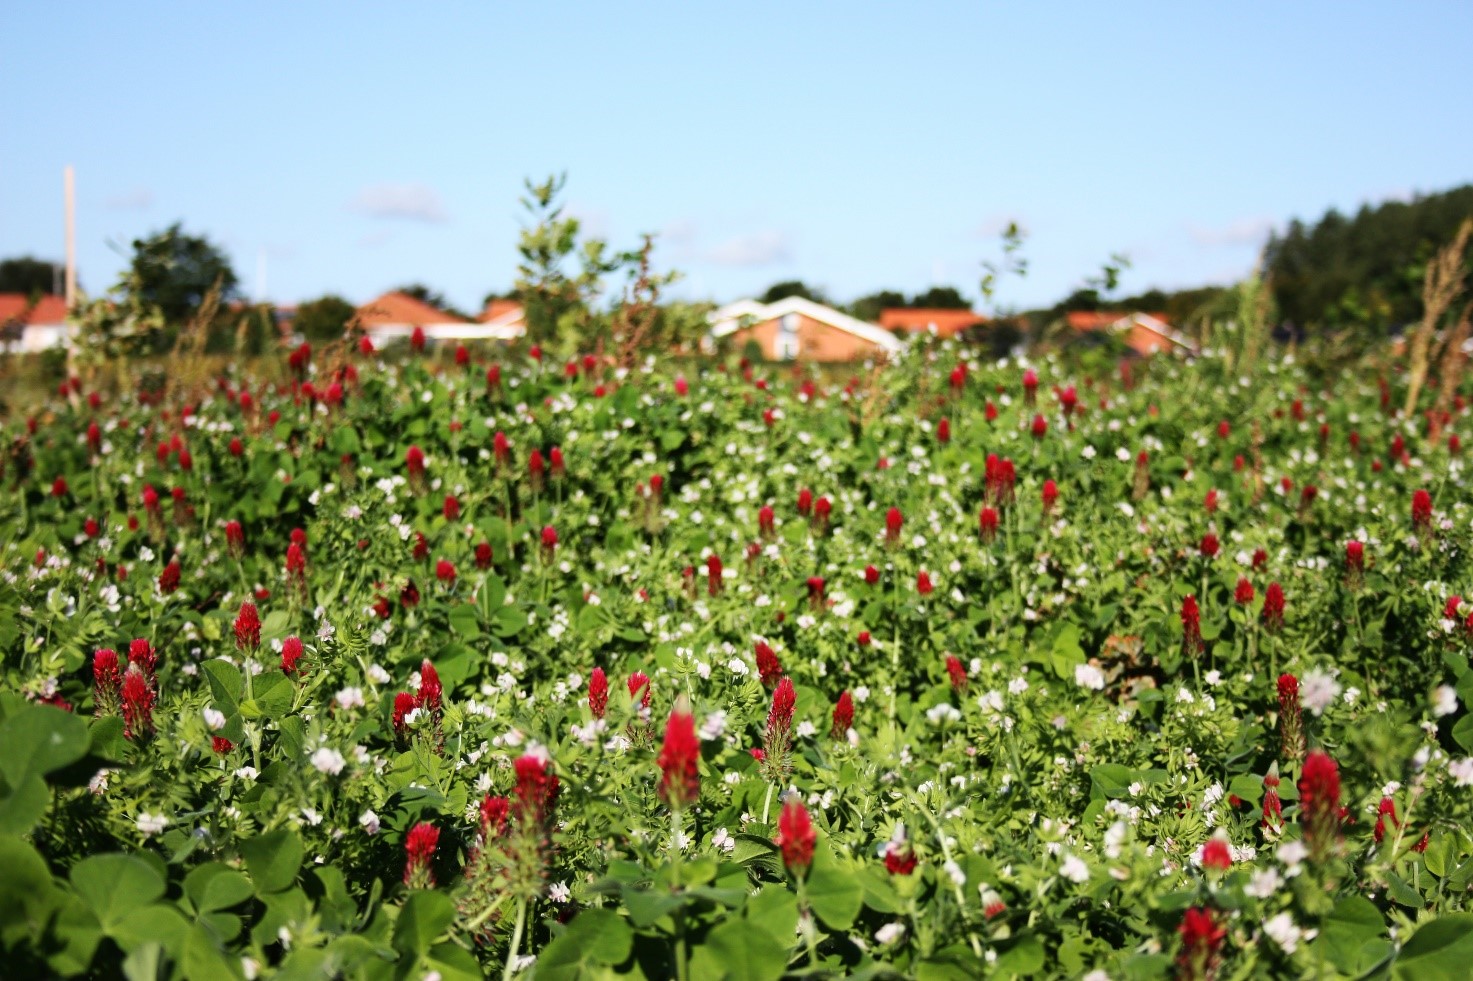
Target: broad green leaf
833 892
23 805
1111 780
594 937
1441 950
465 622
737 951
425 915
646 906
273 860
774 909
1350 925
226 684
158 923
115 885
38 740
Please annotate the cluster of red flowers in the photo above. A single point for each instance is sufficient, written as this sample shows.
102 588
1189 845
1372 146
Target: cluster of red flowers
428 697
1001 478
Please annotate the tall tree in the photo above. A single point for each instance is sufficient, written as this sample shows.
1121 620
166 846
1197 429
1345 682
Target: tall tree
172 272
1364 271
29 275
941 298
323 319
793 287
869 307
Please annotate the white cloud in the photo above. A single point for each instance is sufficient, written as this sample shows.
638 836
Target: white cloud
412 202
1244 231
137 199
754 249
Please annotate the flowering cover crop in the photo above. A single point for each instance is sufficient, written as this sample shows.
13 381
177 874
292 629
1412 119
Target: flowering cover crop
955 670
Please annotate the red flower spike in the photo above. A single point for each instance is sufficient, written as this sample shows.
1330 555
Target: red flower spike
598 692
291 655
843 718
795 837
248 628
769 668
419 850
680 782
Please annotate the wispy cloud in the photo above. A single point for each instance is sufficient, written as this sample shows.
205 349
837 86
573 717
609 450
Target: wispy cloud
137 199
1244 231
762 248
409 202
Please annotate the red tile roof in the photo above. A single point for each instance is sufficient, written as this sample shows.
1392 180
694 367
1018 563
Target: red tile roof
496 308
17 306
918 319
1096 319
397 308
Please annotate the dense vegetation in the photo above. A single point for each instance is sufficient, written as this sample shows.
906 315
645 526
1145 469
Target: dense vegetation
1363 273
463 666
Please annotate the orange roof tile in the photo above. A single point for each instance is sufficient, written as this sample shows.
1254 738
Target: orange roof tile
17 306
496 308
398 308
948 322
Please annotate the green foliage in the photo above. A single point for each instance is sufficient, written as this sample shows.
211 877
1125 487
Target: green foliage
1362 273
1055 802
171 272
323 319
29 275
793 287
560 275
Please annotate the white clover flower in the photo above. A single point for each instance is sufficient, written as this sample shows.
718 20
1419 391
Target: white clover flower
889 933
1461 771
368 821
349 698
942 712
1317 690
723 840
151 824
1074 869
1264 883
559 892
327 760
1444 700
1284 932
1089 676
214 718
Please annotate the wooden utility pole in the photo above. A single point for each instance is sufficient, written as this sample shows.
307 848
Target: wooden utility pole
70 184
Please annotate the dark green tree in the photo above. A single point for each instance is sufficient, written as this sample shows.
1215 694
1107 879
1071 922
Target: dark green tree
793 287
869 307
941 298
1364 271
323 319
172 272
29 275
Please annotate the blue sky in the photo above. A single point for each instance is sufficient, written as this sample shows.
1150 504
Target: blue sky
858 146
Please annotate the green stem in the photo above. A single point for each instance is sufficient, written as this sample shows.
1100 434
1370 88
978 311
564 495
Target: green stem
681 971
766 803
516 941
